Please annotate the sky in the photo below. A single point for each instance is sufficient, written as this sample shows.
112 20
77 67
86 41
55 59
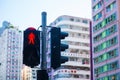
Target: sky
27 13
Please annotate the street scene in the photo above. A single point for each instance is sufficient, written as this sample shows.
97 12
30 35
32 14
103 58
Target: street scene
56 40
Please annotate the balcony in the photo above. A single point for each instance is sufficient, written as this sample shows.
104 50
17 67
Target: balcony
76 55
71 79
74 63
72 74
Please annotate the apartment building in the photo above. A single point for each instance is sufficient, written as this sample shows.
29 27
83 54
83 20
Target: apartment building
78 66
10 52
26 73
105 39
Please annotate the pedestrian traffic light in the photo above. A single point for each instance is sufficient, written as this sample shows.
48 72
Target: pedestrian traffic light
31 47
57 47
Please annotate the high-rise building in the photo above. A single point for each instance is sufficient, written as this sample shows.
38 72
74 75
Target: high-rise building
26 73
10 52
29 73
78 66
105 39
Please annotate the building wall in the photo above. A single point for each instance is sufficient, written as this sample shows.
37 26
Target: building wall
105 39
78 66
26 73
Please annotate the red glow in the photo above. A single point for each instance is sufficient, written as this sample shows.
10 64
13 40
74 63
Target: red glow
31 38
31 28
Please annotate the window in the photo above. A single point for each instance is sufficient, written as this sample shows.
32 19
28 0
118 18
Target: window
114 77
112 53
111 7
105 44
104 22
113 65
104 57
76 76
105 33
71 19
110 77
85 21
79 34
77 20
107 67
74 50
85 29
105 78
87 76
97 6
97 16
85 61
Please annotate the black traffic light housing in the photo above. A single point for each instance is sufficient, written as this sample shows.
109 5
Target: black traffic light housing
63 47
42 75
57 47
31 47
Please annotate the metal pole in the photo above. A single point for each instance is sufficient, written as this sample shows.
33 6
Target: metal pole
44 62
91 60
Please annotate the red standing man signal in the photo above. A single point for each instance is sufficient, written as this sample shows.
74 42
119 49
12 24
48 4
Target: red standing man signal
31 38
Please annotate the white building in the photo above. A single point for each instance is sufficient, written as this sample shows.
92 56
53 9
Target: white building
34 73
26 73
11 44
29 73
78 66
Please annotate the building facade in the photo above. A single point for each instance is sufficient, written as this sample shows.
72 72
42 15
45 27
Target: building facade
105 39
29 73
10 53
26 73
78 65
